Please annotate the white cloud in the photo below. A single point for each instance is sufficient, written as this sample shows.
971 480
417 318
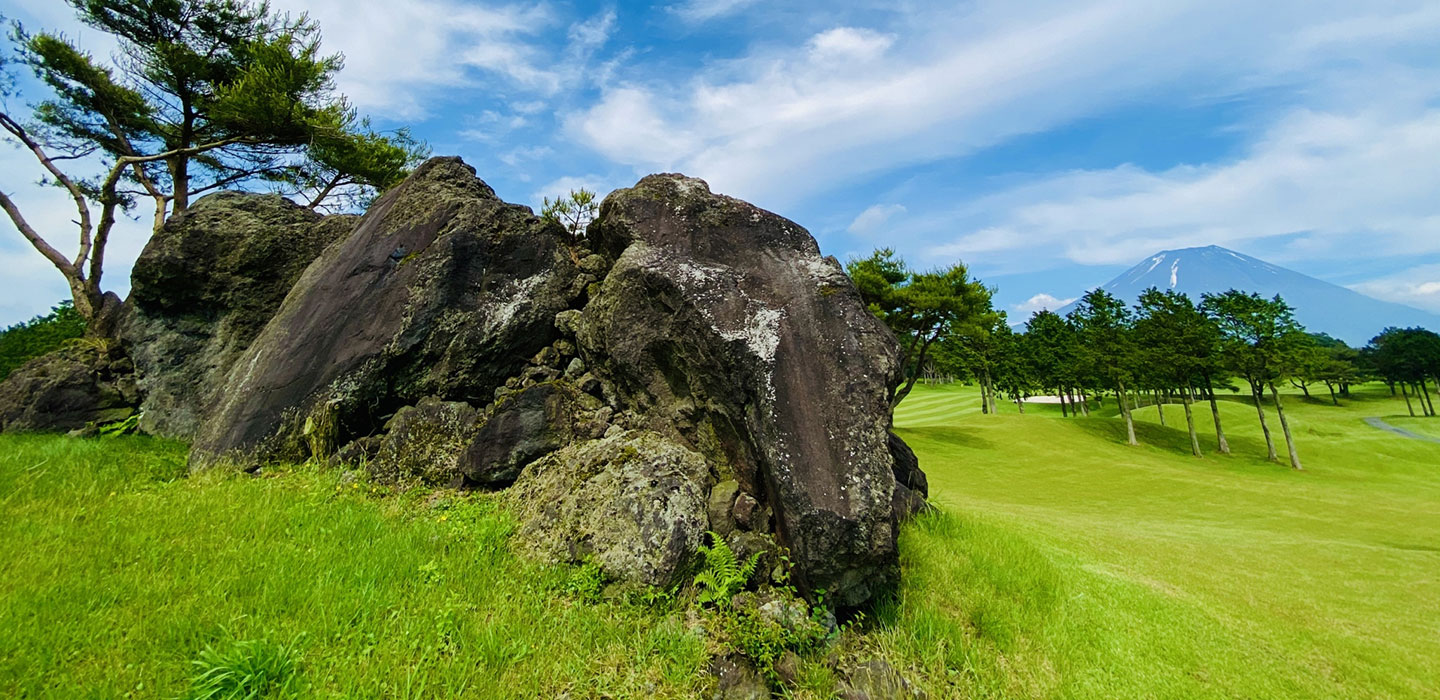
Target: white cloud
1321 183
1040 302
396 54
524 154
849 44
561 187
1418 286
697 11
847 103
870 221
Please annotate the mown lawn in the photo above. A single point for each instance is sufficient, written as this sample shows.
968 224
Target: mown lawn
1220 576
1061 564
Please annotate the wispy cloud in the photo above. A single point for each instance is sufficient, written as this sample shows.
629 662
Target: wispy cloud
1039 302
849 102
697 11
1321 183
1418 286
871 221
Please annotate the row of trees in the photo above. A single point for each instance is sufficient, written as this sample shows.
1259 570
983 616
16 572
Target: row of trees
201 95
1164 348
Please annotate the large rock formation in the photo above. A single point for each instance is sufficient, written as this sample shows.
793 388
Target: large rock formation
204 287
721 323
84 383
703 367
442 290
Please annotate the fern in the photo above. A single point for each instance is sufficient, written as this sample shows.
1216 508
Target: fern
722 575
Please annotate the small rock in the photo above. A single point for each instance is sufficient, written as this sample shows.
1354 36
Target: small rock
749 515
718 507
566 321
736 679
788 668
564 348
594 264
591 385
876 680
575 368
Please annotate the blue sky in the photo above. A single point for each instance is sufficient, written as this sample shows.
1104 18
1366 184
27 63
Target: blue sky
1048 145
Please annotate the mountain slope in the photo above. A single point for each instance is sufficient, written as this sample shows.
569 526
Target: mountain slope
1321 306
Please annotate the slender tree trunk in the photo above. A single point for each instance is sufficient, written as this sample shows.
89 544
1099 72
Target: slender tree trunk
984 402
1084 405
1406 394
1285 428
1222 444
1160 407
1129 419
1257 391
1190 421
1392 388
1331 387
1425 391
1020 403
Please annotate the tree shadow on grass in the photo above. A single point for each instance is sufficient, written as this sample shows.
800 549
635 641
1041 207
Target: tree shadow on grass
954 435
1175 438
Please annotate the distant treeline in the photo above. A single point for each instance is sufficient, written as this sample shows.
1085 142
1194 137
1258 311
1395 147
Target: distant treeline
1164 347
25 341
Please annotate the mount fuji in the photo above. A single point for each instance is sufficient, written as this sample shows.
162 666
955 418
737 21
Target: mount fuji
1319 305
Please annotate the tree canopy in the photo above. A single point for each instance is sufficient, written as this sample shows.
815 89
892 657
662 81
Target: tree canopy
919 307
200 95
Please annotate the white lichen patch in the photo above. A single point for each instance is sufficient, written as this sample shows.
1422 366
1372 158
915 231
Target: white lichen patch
509 300
690 187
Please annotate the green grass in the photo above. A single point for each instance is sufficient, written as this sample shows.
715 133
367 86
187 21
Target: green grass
1420 425
1145 572
1061 563
119 577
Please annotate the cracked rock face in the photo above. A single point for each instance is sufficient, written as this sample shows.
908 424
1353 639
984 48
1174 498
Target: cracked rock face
442 290
721 323
203 289
694 364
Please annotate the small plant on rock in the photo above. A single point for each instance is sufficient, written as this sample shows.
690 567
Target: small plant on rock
722 575
573 212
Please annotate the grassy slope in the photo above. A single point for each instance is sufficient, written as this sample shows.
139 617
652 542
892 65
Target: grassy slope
1062 564
118 575
1225 576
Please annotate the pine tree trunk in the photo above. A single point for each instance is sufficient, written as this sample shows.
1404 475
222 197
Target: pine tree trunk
1084 405
1406 394
1331 387
1160 408
1129 419
1285 428
1425 391
1222 444
1258 393
1190 421
1064 410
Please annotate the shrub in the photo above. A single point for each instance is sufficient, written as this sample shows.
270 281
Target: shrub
250 669
26 341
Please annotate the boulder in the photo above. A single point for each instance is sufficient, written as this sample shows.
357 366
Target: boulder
721 325
441 290
634 503
425 442
204 287
83 383
524 427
